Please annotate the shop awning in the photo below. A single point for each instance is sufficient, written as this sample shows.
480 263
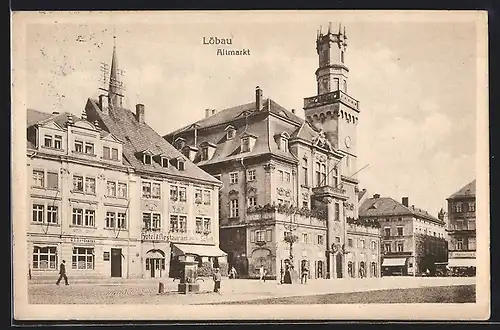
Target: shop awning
462 262
388 262
199 250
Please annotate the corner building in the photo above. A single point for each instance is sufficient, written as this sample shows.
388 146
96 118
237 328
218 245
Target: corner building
284 176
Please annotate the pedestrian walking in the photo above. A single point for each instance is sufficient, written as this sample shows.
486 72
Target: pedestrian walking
62 273
261 273
265 274
232 273
217 279
305 273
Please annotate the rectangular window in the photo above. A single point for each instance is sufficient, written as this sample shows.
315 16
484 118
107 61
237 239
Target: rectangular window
89 148
156 221
182 223
260 235
79 146
349 242
146 189
374 245
182 194
269 235
337 212
245 145
280 175
458 207
146 220
336 84
174 223
400 231
305 237
38 211
197 196
304 172
58 142
318 174
121 219
52 214
387 231
44 258
472 207
89 218
460 244
207 197
471 243
252 201
284 144
77 217
207 225
106 154
180 165
164 162
48 141
387 247
204 153
77 183
250 175
110 219
111 188
460 224
156 191
38 178
52 180
321 240
233 208
362 243
287 177
323 175
90 185
199 225
173 193
122 190
233 178
400 247
114 154
83 258
471 225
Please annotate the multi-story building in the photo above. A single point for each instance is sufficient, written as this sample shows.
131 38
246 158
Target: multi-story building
288 183
412 239
115 198
461 228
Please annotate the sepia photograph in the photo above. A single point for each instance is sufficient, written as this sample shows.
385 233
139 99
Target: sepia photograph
291 164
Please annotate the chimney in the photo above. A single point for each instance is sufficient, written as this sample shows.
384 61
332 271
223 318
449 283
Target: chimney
258 98
103 103
404 201
208 112
293 111
213 111
376 196
139 112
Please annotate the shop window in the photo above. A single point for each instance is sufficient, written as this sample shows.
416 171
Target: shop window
44 258
83 258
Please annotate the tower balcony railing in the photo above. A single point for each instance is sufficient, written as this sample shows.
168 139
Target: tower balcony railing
325 191
318 100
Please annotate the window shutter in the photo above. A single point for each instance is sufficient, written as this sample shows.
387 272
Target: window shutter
252 236
269 235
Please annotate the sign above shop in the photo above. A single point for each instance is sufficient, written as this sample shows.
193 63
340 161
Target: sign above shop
462 254
158 236
80 240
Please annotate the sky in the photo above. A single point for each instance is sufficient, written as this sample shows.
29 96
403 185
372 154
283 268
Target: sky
416 81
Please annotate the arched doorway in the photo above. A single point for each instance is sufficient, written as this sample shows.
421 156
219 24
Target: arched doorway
319 269
155 263
374 269
350 269
262 257
338 265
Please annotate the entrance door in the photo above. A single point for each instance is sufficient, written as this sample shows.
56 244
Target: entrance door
338 265
116 262
156 266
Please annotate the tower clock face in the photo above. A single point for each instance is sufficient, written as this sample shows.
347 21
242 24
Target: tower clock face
347 141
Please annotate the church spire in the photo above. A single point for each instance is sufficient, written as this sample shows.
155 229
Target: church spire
115 85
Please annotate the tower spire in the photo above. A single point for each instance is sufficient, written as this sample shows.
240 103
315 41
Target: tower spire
115 85
329 27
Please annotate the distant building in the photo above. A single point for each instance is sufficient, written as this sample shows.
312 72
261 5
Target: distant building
412 239
287 179
462 228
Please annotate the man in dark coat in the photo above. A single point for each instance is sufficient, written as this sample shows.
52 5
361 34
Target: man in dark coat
62 273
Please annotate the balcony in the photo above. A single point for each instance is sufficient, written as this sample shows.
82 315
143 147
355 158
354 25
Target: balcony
329 191
315 101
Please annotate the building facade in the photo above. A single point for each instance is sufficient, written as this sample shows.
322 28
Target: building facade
289 184
115 198
412 240
461 228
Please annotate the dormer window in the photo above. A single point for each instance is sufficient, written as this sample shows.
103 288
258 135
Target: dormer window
230 132
245 144
48 141
204 153
164 162
180 165
78 146
146 159
180 143
283 141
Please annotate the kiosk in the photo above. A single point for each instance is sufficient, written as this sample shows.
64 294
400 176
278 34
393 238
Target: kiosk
189 269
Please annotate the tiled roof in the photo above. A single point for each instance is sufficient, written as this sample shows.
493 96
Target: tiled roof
137 137
386 206
361 193
306 132
230 114
469 190
35 116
